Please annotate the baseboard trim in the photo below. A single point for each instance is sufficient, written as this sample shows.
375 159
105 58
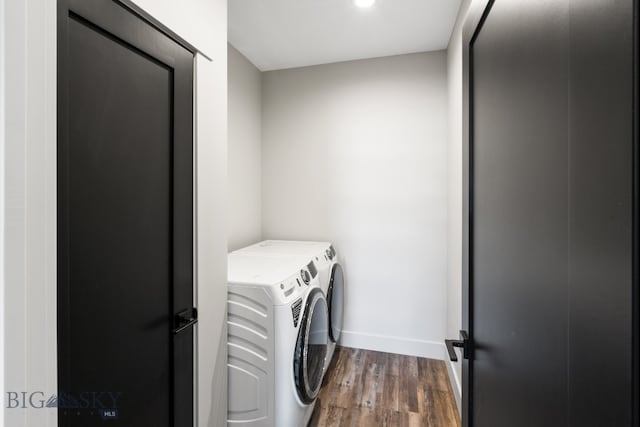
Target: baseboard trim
389 344
455 381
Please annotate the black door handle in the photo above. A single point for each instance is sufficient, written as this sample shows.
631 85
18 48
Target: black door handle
185 319
462 343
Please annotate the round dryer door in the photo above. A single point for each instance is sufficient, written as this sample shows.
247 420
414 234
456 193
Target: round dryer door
311 347
335 298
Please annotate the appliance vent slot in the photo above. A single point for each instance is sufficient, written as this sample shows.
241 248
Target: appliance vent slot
295 310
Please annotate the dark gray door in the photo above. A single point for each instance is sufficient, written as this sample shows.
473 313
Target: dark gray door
549 288
125 229
520 130
603 230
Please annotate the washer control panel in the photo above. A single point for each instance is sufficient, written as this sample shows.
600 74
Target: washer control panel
306 277
296 285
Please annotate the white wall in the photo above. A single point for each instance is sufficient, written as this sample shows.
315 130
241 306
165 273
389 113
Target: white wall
454 274
2 148
245 151
30 356
29 171
356 153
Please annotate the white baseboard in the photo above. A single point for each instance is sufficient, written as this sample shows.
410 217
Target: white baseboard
456 385
389 344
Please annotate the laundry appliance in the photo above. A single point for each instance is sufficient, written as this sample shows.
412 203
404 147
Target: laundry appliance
277 319
329 271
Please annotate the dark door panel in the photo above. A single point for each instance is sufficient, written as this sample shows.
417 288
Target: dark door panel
119 223
520 68
600 218
550 263
124 220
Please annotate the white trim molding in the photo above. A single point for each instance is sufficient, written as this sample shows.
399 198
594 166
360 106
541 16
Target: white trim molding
456 385
390 344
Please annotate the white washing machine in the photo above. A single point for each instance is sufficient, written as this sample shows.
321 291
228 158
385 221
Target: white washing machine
329 271
278 324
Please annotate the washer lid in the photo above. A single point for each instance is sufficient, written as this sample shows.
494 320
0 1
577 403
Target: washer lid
261 270
286 247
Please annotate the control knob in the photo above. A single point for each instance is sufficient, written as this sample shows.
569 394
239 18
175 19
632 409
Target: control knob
306 278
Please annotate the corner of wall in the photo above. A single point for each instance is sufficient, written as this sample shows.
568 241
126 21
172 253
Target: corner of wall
244 102
392 344
454 247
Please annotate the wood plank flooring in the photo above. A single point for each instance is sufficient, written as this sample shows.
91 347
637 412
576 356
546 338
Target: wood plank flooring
368 388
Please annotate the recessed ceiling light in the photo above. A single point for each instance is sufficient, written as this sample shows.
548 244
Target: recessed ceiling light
364 3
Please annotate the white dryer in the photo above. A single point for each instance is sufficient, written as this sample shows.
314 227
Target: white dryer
277 323
330 274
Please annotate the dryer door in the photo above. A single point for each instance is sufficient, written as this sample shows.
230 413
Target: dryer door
311 347
335 299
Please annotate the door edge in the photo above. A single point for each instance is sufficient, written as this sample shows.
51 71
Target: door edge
474 21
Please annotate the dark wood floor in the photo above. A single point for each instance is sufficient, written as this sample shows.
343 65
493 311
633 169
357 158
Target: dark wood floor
368 388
